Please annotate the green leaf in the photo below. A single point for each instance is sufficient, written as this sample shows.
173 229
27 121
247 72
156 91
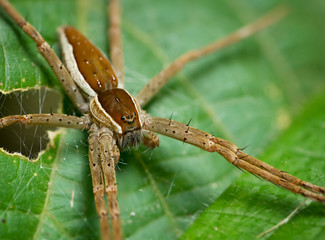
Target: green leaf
250 93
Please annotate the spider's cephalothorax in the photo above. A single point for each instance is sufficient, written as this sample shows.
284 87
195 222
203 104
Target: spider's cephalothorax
117 109
109 103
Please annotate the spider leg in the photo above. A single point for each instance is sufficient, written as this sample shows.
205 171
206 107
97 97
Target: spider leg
149 139
97 179
234 156
43 47
115 39
108 155
51 120
268 167
158 81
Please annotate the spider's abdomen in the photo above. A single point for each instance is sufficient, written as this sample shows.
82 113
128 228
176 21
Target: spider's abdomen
88 66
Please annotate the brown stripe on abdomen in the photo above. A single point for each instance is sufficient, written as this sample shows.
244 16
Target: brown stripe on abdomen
92 64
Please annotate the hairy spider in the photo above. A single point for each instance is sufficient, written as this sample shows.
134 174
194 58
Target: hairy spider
116 120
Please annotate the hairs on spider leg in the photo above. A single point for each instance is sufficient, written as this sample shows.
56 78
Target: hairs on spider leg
127 148
278 185
121 161
85 144
241 169
147 149
188 126
151 154
212 133
117 167
170 118
260 178
242 149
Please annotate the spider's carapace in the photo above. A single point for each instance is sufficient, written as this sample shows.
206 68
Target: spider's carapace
94 74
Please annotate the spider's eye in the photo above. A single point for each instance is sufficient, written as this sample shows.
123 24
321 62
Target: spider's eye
134 114
123 118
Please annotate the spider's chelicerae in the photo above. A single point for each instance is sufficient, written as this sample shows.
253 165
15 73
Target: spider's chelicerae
115 119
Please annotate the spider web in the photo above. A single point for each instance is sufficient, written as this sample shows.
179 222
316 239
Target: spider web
28 141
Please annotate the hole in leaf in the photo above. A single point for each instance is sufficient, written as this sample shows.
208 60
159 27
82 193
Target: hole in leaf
27 140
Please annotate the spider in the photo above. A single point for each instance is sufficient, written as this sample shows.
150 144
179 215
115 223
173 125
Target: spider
169 127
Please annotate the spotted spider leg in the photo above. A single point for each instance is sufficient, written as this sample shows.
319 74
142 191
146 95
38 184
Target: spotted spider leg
233 155
51 120
43 47
109 156
97 180
103 155
158 81
269 168
115 39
